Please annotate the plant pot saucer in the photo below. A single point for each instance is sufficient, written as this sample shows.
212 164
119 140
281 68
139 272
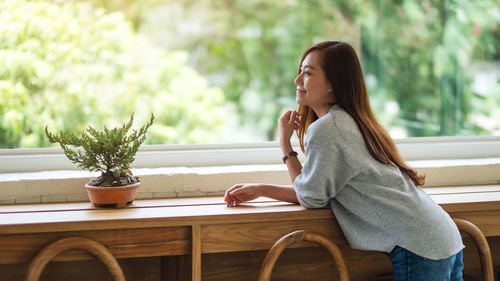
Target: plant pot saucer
112 196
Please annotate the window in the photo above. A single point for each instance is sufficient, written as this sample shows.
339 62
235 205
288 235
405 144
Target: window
222 71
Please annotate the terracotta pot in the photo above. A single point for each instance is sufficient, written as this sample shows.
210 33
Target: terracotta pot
113 196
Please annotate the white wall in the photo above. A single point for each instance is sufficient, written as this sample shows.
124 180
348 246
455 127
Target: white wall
68 186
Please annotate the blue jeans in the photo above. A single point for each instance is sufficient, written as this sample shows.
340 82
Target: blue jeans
409 266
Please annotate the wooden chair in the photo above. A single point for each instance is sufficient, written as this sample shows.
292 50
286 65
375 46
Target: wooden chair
482 246
46 254
300 235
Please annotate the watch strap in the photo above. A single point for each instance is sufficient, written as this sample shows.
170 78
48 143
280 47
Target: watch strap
288 155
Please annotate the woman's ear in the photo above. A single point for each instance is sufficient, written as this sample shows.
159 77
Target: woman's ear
330 88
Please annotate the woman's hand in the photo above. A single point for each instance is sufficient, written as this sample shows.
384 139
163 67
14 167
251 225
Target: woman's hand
287 123
242 193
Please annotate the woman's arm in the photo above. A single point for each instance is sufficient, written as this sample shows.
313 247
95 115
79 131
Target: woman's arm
240 193
288 123
246 192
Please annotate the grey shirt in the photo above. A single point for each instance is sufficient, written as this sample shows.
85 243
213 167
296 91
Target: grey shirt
377 206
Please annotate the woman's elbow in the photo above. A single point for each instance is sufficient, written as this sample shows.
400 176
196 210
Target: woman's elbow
312 203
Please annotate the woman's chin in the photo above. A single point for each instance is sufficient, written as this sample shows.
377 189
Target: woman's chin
300 101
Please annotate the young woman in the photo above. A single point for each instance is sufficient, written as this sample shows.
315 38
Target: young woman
353 165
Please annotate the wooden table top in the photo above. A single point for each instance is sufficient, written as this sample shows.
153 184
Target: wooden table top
32 218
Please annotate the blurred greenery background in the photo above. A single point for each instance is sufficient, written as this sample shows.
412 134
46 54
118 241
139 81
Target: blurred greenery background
223 70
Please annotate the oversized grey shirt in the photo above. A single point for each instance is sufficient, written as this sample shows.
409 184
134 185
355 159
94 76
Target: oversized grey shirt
377 206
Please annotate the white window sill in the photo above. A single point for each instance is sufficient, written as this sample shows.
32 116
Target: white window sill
68 185
202 155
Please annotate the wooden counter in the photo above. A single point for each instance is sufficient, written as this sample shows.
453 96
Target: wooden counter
196 227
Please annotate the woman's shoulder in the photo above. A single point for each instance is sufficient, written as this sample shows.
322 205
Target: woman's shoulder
337 113
337 119
335 126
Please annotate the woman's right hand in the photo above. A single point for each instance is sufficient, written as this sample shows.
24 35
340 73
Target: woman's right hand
287 123
240 193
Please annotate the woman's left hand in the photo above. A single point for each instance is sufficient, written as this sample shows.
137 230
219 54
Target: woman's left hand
287 123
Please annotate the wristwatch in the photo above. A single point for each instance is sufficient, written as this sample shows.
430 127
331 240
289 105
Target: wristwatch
288 155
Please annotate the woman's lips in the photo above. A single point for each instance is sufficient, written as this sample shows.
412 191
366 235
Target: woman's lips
301 92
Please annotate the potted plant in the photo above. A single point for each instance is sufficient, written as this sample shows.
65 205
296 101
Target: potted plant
110 151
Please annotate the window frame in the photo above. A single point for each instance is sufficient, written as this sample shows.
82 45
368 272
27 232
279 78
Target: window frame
228 154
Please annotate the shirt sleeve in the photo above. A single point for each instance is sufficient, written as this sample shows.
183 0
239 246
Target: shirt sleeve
325 171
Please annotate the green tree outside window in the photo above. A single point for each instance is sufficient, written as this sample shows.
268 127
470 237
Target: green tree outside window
223 70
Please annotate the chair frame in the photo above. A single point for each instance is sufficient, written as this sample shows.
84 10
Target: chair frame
46 254
301 235
482 247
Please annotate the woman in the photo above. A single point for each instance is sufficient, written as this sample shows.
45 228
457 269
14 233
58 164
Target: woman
352 164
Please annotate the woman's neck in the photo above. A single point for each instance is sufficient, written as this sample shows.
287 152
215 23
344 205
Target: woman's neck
323 110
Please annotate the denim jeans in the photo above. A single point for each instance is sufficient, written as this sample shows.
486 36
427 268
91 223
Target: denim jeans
409 266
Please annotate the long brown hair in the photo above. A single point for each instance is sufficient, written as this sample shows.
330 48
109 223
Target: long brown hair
343 70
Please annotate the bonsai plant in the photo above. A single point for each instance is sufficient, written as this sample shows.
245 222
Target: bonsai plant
110 151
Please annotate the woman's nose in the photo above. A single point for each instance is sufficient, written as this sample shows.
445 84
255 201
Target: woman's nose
298 80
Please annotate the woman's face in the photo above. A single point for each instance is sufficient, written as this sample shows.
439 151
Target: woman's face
313 89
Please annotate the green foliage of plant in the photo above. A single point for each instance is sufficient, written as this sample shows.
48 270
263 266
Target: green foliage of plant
110 151
71 63
255 47
420 54
416 55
